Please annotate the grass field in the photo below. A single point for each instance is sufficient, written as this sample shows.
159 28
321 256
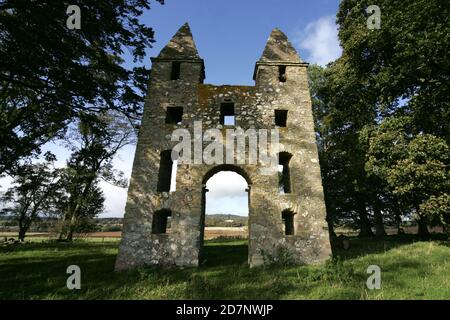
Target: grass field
410 270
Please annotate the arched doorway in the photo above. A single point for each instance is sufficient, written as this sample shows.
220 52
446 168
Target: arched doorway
225 214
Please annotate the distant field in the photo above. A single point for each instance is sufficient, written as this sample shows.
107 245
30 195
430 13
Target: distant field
210 233
411 269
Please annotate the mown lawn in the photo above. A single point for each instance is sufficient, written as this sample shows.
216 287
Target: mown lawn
410 270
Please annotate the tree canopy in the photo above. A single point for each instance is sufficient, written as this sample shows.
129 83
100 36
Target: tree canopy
383 115
51 75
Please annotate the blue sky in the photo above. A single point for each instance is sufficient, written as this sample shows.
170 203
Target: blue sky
230 37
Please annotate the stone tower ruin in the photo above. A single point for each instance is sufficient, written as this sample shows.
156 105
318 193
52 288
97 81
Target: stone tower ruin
286 208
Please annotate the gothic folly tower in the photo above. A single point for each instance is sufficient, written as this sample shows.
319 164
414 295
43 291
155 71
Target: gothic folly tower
286 208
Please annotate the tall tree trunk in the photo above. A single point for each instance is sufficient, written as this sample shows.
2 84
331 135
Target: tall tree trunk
75 212
365 229
423 229
65 224
331 231
329 217
71 228
22 232
364 225
23 227
69 235
378 217
398 217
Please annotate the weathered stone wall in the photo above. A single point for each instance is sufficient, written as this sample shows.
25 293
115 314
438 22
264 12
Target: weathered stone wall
254 108
310 243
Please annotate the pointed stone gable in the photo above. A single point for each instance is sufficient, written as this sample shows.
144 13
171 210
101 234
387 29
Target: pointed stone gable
181 46
278 48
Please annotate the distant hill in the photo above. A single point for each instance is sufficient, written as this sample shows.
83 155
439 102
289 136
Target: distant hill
225 220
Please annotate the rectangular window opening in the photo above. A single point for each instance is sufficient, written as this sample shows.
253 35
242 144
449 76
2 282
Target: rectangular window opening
284 173
288 221
282 73
227 115
281 118
174 115
161 221
176 68
165 171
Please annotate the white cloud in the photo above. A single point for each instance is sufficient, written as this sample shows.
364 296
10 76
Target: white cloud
115 200
227 194
226 184
116 197
320 41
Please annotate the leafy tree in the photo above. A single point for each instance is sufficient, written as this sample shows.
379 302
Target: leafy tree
51 75
339 115
93 145
406 59
79 201
414 167
438 206
30 197
320 102
396 71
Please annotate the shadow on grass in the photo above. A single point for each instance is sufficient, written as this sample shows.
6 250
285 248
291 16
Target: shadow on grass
38 271
55 246
225 253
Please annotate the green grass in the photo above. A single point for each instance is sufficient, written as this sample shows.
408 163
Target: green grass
410 270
